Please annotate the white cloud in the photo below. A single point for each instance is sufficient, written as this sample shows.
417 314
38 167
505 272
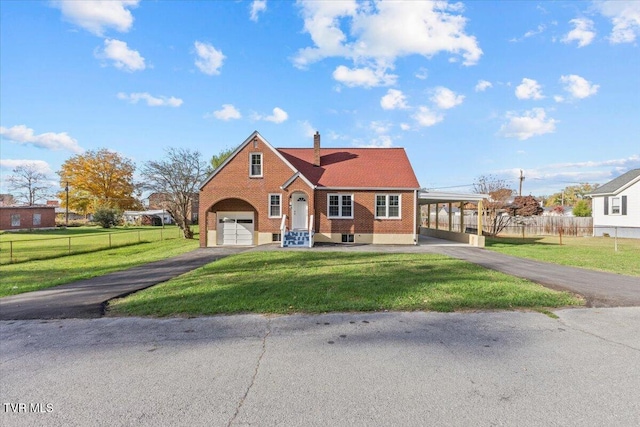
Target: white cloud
228 112
380 141
380 127
278 116
256 7
394 99
582 32
98 15
579 87
427 117
40 165
529 89
152 101
123 58
379 33
365 77
209 58
483 85
446 98
21 134
532 123
422 73
625 17
405 126
307 129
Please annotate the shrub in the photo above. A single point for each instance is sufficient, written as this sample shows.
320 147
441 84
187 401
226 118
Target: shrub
107 217
582 208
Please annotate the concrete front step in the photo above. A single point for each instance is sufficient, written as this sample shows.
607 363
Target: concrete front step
293 239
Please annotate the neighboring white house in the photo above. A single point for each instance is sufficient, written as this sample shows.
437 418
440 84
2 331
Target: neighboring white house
616 206
153 217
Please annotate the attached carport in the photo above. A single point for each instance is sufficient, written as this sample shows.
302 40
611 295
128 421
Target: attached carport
433 199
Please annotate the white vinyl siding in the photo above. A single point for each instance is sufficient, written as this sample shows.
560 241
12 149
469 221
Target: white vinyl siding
275 205
340 206
255 165
387 206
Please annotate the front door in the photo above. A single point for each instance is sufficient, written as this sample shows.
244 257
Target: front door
300 209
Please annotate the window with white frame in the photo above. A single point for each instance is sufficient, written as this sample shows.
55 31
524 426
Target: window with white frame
388 206
275 205
615 206
340 206
15 220
255 165
37 218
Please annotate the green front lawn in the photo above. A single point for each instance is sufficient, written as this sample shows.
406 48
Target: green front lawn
34 275
596 253
308 281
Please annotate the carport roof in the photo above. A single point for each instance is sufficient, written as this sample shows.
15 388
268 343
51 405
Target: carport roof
426 197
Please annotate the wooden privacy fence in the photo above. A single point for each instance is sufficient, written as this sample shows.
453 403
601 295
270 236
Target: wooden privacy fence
531 226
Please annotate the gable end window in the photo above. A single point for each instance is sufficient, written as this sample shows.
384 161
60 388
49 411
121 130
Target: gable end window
275 205
387 206
255 165
340 206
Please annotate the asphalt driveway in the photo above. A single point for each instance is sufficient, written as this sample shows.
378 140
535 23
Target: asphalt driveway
86 298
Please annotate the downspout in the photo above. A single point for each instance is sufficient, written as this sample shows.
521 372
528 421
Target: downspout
415 216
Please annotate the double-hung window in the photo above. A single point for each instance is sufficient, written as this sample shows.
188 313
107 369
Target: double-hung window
388 206
615 206
255 165
275 205
340 206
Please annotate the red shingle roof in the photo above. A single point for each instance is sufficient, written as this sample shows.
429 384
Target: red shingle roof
354 167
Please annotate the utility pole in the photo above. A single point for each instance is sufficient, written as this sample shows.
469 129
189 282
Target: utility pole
66 221
521 179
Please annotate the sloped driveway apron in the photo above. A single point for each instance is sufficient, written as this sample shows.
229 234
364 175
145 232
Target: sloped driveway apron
86 298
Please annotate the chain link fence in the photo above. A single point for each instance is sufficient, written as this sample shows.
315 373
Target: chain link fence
19 250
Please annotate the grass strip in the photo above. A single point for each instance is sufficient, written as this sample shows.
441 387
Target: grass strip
35 275
595 253
315 282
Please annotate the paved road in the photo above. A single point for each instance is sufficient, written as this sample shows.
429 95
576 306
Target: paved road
383 369
85 298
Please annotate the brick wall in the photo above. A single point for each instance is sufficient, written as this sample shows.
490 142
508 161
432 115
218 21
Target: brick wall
233 182
364 220
47 217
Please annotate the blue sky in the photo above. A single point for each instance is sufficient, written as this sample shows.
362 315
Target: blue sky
467 88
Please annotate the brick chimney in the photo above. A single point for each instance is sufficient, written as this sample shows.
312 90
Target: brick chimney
316 149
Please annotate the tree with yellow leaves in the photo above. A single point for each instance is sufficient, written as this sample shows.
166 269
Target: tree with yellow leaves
96 179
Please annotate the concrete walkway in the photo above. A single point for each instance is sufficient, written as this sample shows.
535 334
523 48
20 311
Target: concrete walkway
86 298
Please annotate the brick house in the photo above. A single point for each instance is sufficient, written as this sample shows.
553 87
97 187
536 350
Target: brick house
261 194
27 217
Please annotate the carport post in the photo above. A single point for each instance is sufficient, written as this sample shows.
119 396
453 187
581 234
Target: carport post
479 217
450 218
437 219
462 217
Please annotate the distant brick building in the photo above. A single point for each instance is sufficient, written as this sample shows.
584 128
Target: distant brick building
27 217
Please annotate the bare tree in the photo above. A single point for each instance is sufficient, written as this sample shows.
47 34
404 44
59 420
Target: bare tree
29 184
177 177
494 207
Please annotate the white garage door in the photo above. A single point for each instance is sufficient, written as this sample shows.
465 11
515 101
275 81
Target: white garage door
235 228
